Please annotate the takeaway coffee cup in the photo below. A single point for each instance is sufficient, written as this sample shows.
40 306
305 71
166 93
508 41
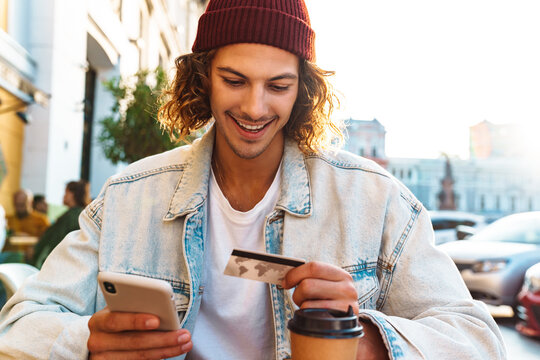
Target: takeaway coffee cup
318 334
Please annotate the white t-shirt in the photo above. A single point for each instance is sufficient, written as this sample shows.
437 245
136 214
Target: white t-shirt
235 320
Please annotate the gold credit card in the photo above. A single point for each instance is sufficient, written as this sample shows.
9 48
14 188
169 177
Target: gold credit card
260 266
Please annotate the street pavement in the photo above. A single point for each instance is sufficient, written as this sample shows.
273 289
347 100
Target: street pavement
519 347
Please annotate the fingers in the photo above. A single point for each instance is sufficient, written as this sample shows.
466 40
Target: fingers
115 335
317 289
136 340
108 321
317 270
151 354
321 285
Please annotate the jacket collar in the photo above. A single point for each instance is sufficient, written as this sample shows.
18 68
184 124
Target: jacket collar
295 196
192 189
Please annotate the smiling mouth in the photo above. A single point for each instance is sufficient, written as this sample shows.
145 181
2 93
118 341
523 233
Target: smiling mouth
250 127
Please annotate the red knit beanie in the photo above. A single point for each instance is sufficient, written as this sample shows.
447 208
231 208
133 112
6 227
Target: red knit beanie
280 23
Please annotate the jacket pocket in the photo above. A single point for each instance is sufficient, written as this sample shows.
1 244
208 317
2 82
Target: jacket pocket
181 297
366 284
181 301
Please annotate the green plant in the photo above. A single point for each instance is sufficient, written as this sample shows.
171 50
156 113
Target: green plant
131 132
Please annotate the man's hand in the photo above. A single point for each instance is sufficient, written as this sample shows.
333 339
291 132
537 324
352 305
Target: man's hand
118 335
321 285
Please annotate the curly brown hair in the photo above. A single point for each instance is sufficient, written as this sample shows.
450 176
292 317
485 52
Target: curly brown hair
81 192
186 104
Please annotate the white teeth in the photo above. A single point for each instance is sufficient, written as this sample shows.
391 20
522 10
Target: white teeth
251 127
248 127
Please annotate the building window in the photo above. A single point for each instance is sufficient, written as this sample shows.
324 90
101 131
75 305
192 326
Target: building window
513 203
117 8
361 152
498 202
374 152
140 41
89 103
530 204
149 6
482 203
165 46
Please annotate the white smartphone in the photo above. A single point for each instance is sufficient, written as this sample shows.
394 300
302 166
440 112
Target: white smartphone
133 293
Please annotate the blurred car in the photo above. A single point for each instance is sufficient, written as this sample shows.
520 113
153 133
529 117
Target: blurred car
529 298
494 260
447 224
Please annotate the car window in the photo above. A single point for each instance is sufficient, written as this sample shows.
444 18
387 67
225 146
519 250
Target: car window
443 224
440 224
511 229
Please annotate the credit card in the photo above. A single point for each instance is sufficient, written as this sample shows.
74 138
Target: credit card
260 266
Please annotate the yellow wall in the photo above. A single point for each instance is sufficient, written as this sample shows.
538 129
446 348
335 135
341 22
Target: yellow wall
3 14
11 142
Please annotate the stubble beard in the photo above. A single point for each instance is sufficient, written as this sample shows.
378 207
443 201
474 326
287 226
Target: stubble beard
246 150
246 154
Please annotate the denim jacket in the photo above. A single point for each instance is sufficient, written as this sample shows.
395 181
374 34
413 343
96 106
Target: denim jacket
334 207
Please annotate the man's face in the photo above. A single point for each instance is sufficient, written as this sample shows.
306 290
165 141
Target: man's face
69 198
42 207
21 204
253 90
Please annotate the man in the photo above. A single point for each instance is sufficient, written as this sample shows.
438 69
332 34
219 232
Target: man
39 204
26 221
259 179
76 198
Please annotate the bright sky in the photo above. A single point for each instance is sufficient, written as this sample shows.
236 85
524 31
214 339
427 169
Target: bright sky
429 69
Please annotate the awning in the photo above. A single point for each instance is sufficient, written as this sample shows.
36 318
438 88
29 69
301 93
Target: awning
17 73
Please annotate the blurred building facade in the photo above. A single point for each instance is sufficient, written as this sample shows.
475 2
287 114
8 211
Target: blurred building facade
18 71
54 56
367 138
497 179
485 186
488 140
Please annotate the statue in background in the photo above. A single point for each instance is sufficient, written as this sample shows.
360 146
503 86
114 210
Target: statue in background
447 196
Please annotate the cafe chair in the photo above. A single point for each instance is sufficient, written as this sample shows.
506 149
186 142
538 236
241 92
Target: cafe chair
13 275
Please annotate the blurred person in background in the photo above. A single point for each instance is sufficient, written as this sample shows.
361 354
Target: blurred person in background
26 221
2 227
76 198
39 204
